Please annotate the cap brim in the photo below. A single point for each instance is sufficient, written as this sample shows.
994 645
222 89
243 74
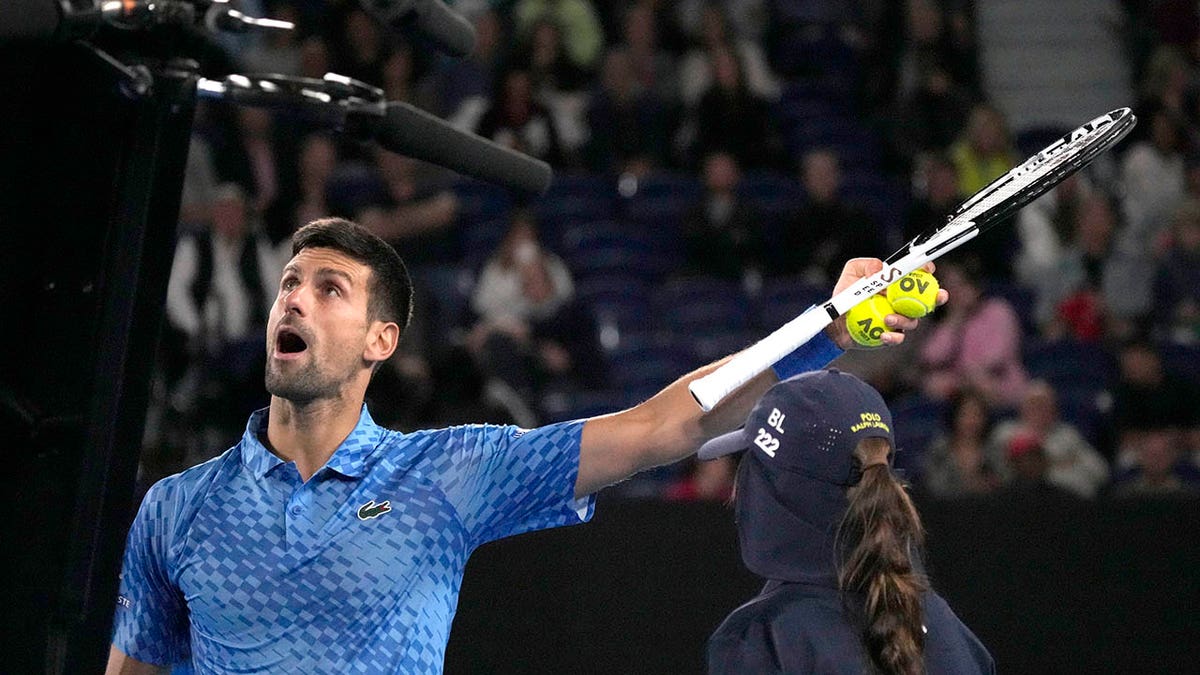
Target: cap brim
726 444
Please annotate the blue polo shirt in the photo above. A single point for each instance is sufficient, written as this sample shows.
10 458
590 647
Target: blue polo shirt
237 565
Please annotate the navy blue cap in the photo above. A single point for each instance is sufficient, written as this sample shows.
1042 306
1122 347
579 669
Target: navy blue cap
811 424
791 485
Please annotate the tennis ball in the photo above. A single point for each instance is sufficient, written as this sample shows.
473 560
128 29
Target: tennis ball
914 295
865 320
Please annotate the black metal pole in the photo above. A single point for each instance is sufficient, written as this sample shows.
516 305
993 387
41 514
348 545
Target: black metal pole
137 255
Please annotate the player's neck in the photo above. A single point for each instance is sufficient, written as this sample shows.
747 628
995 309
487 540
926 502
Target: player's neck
309 433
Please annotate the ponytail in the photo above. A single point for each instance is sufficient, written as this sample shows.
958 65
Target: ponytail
882 531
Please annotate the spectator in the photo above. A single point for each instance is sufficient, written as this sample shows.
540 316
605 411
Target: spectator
932 115
1149 396
959 461
532 335
1047 227
937 196
1160 469
628 128
653 67
221 285
1177 281
985 151
976 344
544 56
1152 173
361 50
582 34
721 236
458 89
1027 459
517 120
1077 291
825 229
714 33
730 118
745 19
1165 85
939 40
557 83
398 200
1071 462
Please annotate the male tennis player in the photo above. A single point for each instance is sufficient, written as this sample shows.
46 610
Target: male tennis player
323 543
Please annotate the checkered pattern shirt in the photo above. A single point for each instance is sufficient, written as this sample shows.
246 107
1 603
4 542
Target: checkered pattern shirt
237 565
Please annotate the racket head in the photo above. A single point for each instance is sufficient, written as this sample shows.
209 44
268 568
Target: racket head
1029 180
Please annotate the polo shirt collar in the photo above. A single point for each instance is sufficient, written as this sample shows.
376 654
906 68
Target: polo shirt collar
351 459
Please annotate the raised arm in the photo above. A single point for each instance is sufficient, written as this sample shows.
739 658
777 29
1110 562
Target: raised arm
670 425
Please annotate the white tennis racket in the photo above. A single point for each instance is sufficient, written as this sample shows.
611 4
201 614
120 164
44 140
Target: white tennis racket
991 205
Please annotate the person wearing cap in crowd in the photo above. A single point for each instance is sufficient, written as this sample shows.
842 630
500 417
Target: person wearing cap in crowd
822 517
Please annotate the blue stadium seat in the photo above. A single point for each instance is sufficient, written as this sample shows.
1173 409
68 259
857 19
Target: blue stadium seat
666 184
885 200
1183 360
917 420
701 306
585 404
777 195
1088 408
618 300
1034 139
782 299
645 363
479 239
714 346
481 201
1069 364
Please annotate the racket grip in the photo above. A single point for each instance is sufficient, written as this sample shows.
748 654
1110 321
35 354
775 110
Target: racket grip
747 364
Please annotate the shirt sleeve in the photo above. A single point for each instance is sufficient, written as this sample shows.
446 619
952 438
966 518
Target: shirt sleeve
504 480
151 618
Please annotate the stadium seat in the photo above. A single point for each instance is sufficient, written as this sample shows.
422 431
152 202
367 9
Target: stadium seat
481 201
782 299
1183 360
617 300
701 306
917 420
1088 409
1069 364
479 239
646 362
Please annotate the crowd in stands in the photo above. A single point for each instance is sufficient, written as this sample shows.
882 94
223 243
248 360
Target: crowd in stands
716 162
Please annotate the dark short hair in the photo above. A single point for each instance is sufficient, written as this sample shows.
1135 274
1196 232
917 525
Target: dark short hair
390 292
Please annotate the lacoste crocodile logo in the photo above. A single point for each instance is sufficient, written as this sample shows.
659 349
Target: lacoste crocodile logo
372 510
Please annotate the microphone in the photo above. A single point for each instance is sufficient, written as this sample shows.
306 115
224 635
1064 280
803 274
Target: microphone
410 131
220 17
448 30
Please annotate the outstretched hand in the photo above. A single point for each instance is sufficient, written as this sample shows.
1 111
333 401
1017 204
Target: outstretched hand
897 324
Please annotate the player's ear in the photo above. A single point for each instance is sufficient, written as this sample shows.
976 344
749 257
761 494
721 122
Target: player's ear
382 339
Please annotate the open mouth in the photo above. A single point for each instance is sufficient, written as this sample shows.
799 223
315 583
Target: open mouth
289 342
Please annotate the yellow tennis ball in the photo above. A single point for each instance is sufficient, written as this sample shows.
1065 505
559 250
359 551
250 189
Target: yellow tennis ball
914 295
865 320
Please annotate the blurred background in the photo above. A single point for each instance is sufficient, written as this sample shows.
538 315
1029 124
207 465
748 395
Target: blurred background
715 164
